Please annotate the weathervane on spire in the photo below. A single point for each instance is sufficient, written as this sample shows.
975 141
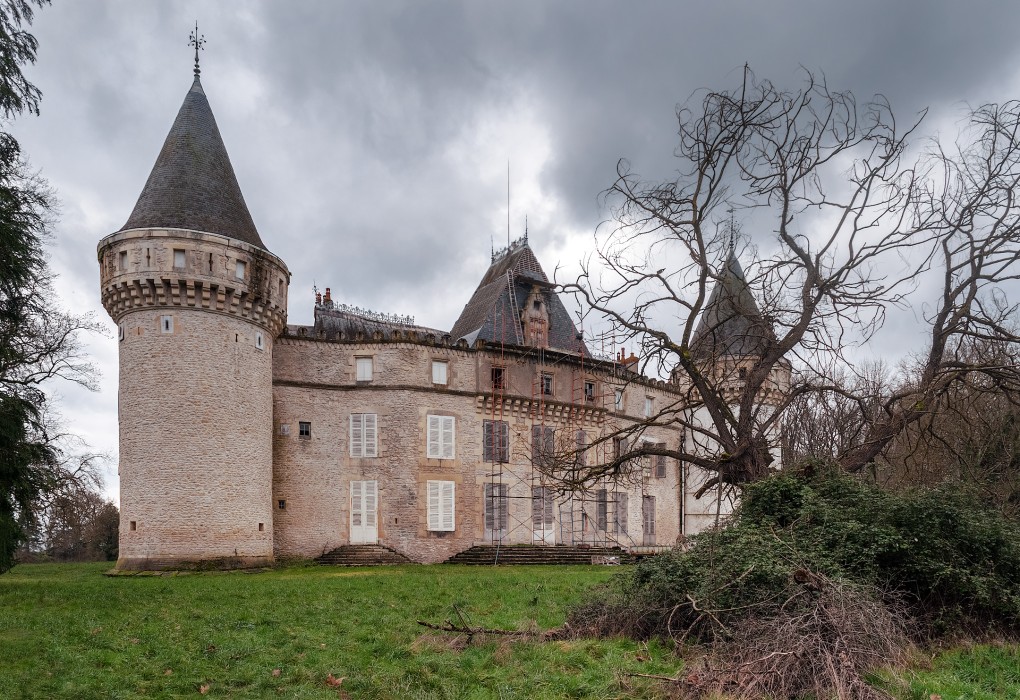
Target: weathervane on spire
198 41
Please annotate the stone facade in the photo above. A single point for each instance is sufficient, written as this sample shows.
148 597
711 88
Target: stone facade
314 382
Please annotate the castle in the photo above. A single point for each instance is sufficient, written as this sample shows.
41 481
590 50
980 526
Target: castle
244 439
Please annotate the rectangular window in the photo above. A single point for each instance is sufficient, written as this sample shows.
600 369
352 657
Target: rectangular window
621 515
580 444
496 507
304 429
601 510
441 437
618 400
619 447
660 464
589 391
742 372
180 260
547 384
364 435
648 520
649 406
166 324
542 505
363 367
496 441
498 378
439 372
282 504
239 269
122 260
543 445
441 506
284 428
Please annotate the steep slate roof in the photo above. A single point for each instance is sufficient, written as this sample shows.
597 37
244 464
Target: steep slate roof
490 316
731 323
335 321
192 185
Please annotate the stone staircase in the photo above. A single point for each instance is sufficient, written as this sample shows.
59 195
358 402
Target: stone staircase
536 554
362 555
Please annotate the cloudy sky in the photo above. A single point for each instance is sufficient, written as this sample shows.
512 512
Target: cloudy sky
371 139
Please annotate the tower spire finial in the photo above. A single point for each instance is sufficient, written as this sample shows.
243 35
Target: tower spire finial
733 233
198 41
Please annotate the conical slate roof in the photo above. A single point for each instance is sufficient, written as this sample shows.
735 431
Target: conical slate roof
492 312
731 323
192 185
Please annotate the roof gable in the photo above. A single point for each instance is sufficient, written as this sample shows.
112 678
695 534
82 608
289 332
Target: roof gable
493 313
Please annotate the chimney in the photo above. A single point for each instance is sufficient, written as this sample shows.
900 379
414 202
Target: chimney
318 299
326 298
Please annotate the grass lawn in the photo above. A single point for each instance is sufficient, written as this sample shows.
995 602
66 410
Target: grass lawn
67 631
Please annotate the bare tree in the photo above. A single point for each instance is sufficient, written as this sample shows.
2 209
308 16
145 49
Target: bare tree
848 224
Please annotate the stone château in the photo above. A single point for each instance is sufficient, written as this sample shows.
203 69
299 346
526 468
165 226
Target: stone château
244 439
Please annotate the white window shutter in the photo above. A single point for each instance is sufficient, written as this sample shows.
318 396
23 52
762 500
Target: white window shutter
356 511
433 489
434 437
357 435
448 437
370 503
371 435
447 505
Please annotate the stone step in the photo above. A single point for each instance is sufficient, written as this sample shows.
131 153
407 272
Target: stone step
537 554
362 555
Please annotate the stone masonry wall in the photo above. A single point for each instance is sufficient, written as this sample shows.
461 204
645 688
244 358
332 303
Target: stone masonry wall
196 344
315 382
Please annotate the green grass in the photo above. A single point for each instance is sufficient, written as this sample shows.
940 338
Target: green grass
980 672
66 631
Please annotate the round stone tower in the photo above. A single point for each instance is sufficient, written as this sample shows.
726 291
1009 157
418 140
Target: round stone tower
198 301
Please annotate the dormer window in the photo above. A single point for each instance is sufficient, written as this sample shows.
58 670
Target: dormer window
538 305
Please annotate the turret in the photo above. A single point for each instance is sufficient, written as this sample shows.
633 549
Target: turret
198 301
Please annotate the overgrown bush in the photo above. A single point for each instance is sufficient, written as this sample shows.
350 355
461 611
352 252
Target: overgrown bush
819 577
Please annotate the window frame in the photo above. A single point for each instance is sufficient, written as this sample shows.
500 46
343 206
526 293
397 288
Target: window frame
496 449
543 445
649 406
240 269
436 446
546 386
360 361
445 365
365 443
497 376
618 400
305 429
436 520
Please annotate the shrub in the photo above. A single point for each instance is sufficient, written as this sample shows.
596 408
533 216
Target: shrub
818 577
